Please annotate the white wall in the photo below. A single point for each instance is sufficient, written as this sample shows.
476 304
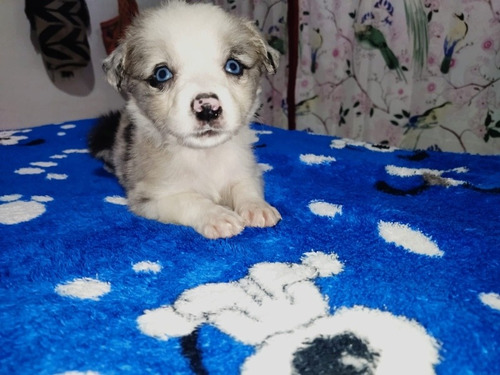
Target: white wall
27 95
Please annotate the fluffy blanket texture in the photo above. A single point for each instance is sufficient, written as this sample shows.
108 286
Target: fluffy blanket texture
385 262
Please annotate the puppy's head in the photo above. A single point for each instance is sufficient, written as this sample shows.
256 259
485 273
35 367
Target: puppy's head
192 70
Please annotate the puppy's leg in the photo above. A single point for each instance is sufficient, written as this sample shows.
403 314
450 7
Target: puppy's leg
192 209
248 202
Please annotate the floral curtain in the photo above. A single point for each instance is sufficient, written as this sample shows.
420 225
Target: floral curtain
417 74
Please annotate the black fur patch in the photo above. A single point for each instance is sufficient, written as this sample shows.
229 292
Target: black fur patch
102 136
128 136
326 355
128 139
143 199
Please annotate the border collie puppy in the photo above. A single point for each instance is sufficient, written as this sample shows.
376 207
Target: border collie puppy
181 147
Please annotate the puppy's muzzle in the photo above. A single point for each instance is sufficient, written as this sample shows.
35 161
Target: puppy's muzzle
206 107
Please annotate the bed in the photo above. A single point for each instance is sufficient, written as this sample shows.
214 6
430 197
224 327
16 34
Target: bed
386 262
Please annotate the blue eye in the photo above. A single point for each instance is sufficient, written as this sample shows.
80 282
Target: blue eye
162 74
233 67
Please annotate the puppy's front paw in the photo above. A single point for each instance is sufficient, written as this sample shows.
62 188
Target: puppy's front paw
220 222
259 214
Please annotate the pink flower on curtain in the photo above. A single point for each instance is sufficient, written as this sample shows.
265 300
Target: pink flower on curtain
432 60
473 72
364 103
433 5
488 45
482 101
460 96
435 29
405 57
342 49
384 131
477 124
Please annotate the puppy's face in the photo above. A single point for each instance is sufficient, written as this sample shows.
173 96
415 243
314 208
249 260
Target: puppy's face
192 70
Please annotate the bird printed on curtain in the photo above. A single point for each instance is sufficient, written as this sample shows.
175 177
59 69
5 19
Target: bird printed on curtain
431 118
457 33
372 38
316 41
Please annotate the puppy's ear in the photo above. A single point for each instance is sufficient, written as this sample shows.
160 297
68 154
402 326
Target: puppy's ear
113 67
269 56
272 61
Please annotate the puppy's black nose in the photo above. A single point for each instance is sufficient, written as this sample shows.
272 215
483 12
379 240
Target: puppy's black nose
206 107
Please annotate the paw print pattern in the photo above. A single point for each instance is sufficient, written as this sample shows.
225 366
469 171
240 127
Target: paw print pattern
11 138
289 322
65 127
16 211
38 167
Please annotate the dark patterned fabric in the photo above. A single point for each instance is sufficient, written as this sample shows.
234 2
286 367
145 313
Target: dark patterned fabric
60 29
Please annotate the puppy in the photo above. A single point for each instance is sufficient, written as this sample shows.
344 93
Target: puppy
181 147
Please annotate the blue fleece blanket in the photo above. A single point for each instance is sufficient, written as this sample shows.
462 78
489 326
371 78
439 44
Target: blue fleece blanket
385 262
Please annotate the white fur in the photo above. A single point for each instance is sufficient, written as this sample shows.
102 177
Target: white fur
178 168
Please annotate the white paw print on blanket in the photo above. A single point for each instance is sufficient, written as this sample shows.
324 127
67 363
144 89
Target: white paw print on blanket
278 309
12 137
87 288
16 211
65 127
39 167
